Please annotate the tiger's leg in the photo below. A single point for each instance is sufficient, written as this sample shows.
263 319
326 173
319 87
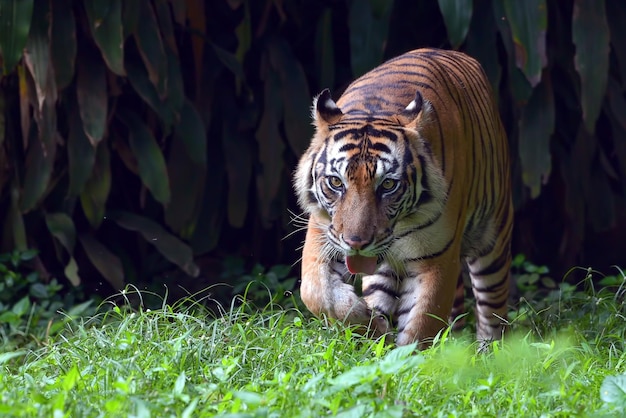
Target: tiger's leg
426 300
490 275
323 290
380 292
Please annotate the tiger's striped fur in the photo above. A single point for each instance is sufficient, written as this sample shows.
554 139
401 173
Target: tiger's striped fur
410 166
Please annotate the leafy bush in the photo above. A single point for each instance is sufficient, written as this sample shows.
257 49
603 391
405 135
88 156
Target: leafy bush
137 135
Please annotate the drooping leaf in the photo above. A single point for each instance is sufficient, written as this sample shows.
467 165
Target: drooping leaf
192 133
62 228
536 126
91 92
150 45
295 96
131 11
368 21
590 33
187 178
138 77
482 41
164 19
107 263
457 15
96 191
105 23
63 42
528 21
39 165
167 244
269 174
15 19
238 157
325 51
150 160
81 154
37 52
616 16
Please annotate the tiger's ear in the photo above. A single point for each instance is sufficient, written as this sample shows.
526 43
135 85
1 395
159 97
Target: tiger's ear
410 113
325 109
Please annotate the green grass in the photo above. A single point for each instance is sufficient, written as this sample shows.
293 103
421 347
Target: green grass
564 357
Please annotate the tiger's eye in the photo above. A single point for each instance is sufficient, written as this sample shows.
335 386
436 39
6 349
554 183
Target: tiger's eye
389 184
335 182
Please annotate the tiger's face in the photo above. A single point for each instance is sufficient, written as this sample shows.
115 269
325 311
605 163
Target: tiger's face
363 178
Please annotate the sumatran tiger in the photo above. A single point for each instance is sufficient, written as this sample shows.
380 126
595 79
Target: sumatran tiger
406 182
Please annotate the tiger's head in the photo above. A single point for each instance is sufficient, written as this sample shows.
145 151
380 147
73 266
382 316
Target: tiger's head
366 176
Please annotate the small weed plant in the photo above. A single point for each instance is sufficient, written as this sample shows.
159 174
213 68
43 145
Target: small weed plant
563 358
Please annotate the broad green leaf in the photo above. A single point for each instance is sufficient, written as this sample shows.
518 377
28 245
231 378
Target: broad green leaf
167 244
238 157
138 78
63 42
62 228
613 389
91 92
368 22
528 20
37 52
131 11
482 42
96 191
191 131
21 307
187 178
81 154
271 147
616 16
105 23
325 51
179 385
457 15
150 44
39 165
295 96
164 19
590 33
9 355
150 161
536 126
107 263
15 19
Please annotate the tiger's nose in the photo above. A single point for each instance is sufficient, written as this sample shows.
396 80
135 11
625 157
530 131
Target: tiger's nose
356 242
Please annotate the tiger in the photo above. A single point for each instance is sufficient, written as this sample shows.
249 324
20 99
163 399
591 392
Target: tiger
406 185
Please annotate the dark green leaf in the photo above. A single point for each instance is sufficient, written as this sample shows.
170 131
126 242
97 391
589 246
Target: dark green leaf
188 181
529 20
179 10
457 15
482 41
167 244
175 86
295 96
271 147
148 39
80 152
150 161
130 16
229 60
590 33
165 24
96 192
15 19
368 22
107 263
39 165
91 91
616 16
37 53
238 157
325 51
14 224
536 127
105 22
63 42
62 228
190 131
138 78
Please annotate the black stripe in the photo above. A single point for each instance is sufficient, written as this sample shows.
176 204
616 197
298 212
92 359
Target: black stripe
495 266
493 287
494 305
435 254
379 287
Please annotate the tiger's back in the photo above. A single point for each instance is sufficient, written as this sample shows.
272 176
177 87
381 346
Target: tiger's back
406 178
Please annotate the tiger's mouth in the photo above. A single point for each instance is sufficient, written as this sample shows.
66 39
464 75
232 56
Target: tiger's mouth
358 263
